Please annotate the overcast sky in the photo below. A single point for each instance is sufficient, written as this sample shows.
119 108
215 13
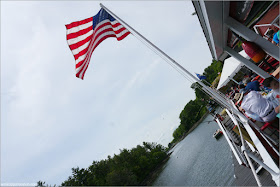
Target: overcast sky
52 121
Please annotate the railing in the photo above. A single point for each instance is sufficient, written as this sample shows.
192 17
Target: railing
267 162
243 148
273 23
238 155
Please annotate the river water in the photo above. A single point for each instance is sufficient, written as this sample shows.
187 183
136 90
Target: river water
199 160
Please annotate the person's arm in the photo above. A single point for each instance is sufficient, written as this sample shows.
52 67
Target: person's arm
241 109
277 109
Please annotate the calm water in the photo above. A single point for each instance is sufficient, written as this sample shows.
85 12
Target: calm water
199 160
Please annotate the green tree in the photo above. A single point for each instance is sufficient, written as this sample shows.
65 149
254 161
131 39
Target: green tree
122 177
130 167
41 183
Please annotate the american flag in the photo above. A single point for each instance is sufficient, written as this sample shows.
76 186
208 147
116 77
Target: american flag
85 35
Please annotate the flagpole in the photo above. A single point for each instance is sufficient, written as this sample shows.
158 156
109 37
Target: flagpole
208 89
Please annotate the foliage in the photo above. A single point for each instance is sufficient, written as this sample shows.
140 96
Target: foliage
239 44
212 71
192 112
130 167
43 184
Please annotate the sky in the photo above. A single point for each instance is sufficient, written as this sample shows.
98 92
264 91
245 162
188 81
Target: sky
52 121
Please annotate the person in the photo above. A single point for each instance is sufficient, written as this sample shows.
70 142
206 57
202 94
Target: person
271 83
275 39
241 88
274 95
233 90
246 79
256 106
255 85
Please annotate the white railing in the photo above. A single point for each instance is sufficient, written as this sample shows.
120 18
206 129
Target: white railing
243 148
238 155
267 162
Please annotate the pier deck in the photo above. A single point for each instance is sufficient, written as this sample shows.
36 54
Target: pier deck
243 174
245 177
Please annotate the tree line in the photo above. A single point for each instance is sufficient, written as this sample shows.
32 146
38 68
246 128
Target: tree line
130 167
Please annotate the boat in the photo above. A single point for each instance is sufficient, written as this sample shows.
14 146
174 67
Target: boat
210 108
228 27
218 133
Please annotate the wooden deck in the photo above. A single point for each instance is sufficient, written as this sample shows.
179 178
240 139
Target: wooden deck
243 174
245 177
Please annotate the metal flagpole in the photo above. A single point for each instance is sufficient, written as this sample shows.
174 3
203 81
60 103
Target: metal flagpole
207 89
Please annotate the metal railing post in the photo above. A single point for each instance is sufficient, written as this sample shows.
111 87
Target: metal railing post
243 149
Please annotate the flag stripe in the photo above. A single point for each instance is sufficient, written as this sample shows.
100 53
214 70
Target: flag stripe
125 34
80 43
76 24
115 22
82 47
81 53
79 33
117 26
120 31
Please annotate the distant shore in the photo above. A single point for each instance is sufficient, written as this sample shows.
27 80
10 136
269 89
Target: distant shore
194 126
189 131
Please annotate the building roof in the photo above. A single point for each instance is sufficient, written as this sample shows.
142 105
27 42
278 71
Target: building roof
230 68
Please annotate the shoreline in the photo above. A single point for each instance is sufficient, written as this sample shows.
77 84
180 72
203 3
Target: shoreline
189 131
194 126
